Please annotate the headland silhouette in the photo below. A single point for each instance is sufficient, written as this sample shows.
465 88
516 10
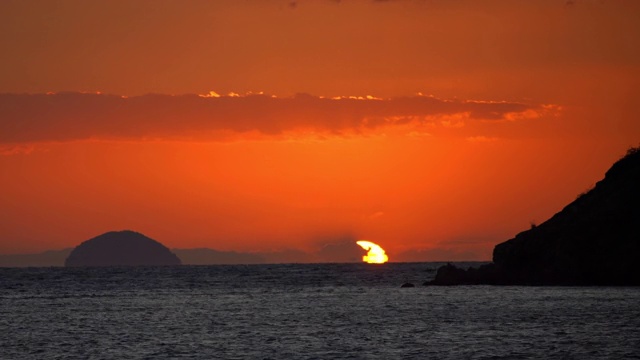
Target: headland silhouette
595 240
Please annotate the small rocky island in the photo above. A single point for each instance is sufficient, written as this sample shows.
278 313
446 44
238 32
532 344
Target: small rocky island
121 248
595 240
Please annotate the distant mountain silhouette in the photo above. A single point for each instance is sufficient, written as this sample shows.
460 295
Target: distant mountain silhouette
121 248
595 240
203 256
43 259
332 252
206 256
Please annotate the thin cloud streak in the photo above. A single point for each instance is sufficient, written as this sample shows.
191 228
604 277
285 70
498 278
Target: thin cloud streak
26 118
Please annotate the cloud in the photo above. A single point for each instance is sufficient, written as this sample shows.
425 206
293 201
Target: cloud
27 118
16 150
481 139
376 215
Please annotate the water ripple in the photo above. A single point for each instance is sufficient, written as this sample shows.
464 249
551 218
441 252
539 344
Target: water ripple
346 311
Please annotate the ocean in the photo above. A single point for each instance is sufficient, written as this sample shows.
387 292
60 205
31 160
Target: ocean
304 311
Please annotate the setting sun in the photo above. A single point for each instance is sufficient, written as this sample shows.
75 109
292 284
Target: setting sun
375 254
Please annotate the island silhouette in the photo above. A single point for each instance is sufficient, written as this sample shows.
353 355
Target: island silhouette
121 248
595 240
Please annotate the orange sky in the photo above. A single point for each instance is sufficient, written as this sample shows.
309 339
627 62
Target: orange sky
482 117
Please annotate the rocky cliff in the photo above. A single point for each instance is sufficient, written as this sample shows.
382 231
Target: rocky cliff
595 240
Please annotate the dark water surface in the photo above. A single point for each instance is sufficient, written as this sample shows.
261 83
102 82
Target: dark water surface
326 311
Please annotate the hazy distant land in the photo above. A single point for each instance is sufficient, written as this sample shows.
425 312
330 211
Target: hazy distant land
43 259
200 256
345 251
205 256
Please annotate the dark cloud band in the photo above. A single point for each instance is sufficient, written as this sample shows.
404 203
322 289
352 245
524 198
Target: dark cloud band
76 116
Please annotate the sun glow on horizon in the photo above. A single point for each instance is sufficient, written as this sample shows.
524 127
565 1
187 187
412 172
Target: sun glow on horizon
375 254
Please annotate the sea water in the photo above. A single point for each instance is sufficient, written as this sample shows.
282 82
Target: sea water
304 311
